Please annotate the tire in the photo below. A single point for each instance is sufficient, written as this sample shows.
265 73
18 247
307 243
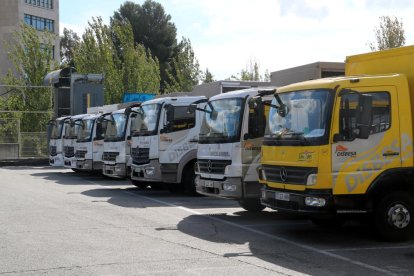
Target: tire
140 184
251 205
329 223
394 215
188 180
76 170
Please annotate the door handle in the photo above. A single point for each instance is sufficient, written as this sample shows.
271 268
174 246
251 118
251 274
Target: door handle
390 154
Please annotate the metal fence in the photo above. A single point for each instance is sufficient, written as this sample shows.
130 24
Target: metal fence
23 132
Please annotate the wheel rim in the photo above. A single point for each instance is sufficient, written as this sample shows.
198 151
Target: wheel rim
399 216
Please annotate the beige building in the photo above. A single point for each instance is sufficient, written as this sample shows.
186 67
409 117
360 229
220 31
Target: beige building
40 14
306 72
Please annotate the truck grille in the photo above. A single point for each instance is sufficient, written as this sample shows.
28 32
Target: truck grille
53 151
109 156
140 156
69 151
80 154
213 166
288 175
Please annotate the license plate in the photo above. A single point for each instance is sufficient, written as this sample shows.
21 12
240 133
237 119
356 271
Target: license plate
209 184
137 170
282 196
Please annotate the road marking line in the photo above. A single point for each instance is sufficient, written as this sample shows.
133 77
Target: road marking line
273 237
371 248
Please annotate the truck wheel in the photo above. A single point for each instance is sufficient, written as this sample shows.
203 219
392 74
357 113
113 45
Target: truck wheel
393 216
251 205
188 181
332 222
140 184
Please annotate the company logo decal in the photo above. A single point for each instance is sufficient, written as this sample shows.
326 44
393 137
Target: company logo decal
343 151
306 156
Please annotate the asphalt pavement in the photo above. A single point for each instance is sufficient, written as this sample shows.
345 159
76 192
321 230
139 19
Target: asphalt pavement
58 222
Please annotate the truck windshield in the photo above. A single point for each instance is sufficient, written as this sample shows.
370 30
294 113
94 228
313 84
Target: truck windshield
145 123
57 128
222 121
85 130
304 120
115 130
72 129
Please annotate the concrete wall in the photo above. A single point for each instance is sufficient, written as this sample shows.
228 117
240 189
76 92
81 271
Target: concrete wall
9 151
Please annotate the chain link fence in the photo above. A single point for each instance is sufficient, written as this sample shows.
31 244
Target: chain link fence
24 113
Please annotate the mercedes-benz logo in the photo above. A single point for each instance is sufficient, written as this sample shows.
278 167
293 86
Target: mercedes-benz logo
283 174
209 166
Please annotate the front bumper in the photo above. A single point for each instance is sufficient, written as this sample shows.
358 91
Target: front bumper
231 187
115 170
85 165
56 161
148 172
69 163
294 202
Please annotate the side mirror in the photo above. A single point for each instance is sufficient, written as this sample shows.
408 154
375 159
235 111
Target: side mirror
169 112
364 116
191 108
128 111
213 115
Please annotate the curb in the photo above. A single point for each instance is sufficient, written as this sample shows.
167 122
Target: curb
24 162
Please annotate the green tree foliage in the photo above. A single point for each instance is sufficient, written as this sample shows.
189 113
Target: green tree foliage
31 53
185 71
151 27
389 34
69 41
251 73
207 76
125 65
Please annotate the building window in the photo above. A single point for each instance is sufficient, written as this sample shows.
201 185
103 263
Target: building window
50 48
39 23
47 4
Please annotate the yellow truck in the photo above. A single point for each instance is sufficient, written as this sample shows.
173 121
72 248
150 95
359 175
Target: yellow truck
342 148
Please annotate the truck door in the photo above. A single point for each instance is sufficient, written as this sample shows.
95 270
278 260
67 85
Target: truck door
356 161
174 142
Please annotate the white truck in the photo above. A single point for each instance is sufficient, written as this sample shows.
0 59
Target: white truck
117 143
89 146
56 141
229 146
164 142
70 136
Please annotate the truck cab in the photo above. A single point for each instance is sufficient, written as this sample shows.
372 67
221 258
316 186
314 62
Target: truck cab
56 141
72 127
164 142
89 146
117 143
229 146
342 148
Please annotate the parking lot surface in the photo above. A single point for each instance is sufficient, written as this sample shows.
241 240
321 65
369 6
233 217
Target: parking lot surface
57 222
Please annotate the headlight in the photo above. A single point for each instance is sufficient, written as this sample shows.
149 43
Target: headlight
150 171
315 201
311 180
229 187
262 174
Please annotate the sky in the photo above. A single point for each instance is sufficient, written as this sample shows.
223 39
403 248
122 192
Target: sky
227 34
